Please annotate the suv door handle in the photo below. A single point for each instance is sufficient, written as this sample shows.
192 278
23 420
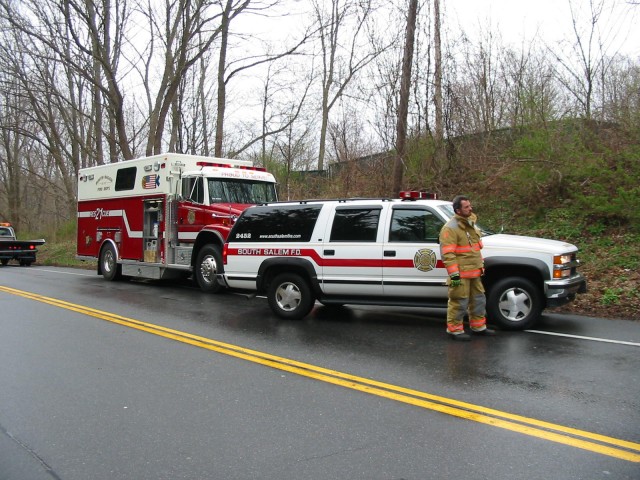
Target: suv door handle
329 252
389 253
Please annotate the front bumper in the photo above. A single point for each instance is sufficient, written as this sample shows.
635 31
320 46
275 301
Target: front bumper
561 292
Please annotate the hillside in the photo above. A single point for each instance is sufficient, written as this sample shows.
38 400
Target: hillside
573 181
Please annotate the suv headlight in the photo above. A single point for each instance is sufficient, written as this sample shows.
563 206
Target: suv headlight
564 265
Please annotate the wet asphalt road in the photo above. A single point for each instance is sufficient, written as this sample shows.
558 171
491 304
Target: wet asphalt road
88 395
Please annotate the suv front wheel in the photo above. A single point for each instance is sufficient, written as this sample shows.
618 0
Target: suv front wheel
514 303
290 296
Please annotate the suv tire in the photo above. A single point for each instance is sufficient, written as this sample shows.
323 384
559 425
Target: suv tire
290 296
514 303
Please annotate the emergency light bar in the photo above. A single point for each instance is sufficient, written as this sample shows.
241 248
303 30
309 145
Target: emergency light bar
226 165
418 195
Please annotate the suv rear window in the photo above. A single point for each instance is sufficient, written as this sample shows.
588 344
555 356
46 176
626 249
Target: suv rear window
276 224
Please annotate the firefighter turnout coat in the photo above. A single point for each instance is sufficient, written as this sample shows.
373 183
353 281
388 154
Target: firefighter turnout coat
460 245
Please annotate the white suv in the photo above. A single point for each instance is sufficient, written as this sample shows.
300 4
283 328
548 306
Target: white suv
386 252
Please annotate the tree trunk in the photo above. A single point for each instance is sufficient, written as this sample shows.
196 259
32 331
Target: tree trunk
403 107
222 85
440 156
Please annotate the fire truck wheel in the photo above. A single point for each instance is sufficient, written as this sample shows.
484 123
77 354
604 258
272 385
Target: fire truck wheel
108 263
290 296
207 266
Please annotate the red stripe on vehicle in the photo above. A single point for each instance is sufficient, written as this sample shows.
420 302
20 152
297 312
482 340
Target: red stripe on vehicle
324 262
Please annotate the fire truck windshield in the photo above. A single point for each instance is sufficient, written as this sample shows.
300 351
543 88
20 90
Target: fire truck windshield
240 191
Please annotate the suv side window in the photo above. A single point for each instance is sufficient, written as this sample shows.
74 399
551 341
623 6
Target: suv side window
414 225
276 224
355 224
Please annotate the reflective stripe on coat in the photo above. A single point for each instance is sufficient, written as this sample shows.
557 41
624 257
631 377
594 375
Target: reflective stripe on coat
460 247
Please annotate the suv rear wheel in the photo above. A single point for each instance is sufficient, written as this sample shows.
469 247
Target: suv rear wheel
514 303
290 296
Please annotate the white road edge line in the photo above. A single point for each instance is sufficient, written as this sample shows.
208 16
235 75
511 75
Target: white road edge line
66 273
594 339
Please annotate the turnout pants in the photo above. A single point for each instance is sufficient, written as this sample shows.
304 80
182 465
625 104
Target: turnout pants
467 298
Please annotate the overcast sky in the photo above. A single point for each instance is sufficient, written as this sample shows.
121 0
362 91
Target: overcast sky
519 20
516 21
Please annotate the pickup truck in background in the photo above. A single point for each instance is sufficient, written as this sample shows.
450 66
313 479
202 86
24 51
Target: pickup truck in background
23 251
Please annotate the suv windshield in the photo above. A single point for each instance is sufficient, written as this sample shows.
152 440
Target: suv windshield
240 191
448 211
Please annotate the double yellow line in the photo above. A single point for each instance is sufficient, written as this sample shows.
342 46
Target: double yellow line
602 444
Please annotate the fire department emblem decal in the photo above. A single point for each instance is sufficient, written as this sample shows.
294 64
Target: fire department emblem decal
191 217
425 260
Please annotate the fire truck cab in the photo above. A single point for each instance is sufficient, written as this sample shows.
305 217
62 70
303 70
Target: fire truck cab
165 216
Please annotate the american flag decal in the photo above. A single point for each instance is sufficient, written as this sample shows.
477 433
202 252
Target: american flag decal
150 181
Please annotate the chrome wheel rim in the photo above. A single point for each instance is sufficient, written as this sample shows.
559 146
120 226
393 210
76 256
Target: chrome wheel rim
288 296
109 262
515 304
208 269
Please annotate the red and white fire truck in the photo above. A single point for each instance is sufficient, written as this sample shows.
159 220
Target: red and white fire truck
165 216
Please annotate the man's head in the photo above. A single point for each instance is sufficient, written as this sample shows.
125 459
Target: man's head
462 206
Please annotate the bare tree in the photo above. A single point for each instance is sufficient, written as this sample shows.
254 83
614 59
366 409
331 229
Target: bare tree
11 174
439 157
384 80
227 15
403 110
281 106
479 102
532 94
229 70
588 58
294 148
187 31
622 99
342 30
52 99
95 35
271 126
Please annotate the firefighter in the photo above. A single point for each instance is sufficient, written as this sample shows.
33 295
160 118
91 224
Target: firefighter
460 245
